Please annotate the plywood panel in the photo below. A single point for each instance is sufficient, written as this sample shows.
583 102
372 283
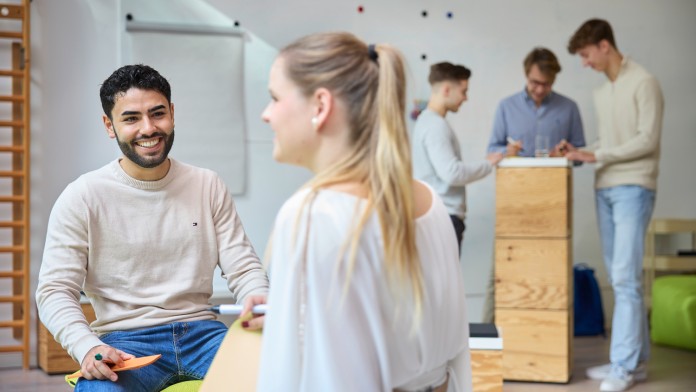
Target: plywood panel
533 202
532 274
536 344
487 370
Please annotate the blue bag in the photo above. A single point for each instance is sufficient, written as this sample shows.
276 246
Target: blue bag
588 311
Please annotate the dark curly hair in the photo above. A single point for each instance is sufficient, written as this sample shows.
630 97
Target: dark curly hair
129 76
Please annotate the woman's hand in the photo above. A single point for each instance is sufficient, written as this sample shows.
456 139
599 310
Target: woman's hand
256 321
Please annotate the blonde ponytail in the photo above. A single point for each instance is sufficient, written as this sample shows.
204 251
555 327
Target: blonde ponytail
392 176
372 82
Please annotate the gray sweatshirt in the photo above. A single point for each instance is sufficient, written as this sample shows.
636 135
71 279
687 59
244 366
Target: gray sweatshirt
437 160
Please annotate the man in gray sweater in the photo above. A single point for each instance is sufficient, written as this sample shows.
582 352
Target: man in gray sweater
437 158
142 237
629 106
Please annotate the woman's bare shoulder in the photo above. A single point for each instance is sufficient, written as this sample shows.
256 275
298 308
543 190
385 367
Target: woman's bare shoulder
422 197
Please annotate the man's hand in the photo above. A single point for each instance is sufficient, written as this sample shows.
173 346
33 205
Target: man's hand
100 369
562 148
257 320
494 158
582 156
513 148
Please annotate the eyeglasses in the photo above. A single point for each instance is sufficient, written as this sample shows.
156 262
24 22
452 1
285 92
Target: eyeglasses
535 83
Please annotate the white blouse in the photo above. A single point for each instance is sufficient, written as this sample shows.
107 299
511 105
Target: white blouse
360 337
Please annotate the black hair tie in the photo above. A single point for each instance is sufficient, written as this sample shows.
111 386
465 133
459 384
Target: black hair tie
372 52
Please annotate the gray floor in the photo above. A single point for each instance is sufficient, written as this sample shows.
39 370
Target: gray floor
669 370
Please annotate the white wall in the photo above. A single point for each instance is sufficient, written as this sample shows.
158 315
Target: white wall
492 38
74 48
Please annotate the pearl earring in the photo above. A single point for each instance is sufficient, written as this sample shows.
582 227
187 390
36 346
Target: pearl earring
315 122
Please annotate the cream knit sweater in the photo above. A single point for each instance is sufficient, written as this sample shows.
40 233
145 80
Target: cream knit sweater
629 111
144 252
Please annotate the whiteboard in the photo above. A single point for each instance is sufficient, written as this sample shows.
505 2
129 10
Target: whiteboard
205 69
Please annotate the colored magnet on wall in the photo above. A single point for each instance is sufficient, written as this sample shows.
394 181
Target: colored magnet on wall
424 13
129 16
418 106
424 56
449 15
236 23
361 9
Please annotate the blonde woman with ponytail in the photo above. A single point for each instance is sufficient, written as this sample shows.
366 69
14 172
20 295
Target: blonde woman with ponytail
366 289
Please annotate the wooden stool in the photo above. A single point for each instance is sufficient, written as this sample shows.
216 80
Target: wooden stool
486 346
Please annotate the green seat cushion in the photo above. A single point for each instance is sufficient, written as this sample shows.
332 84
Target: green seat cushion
186 386
673 317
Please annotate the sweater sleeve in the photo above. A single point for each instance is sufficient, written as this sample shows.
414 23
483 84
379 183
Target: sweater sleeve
448 167
238 261
649 102
62 273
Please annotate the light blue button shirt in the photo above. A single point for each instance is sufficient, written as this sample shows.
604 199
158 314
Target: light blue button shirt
518 117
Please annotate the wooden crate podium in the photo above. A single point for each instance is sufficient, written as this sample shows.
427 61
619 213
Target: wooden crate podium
533 268
486 345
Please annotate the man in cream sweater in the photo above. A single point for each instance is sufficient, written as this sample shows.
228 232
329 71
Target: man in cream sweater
142 237
629 108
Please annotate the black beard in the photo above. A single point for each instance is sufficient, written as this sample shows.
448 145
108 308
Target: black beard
144 161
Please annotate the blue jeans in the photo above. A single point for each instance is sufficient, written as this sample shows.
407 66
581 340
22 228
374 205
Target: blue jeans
187 350
623 213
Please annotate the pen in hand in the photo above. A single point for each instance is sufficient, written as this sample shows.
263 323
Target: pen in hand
564 147
515 142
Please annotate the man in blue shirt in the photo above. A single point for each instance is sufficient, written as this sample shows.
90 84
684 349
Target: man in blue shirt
537 113
534 112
